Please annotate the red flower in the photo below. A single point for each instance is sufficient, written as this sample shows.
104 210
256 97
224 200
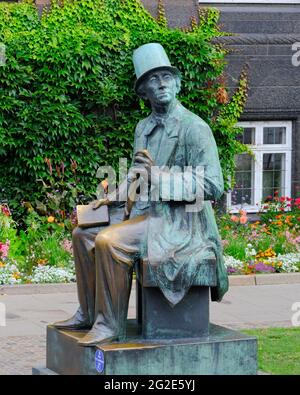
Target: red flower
5 210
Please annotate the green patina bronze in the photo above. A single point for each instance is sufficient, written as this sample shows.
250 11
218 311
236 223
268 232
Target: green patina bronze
176 236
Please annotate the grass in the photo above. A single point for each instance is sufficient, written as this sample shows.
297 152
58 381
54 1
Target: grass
278 350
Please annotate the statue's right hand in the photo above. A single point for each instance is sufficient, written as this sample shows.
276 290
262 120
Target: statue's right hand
98 203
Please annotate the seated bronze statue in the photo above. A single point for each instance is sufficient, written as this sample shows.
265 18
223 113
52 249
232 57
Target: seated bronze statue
175 240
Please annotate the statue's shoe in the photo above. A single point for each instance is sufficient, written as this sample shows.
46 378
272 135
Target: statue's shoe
75 323
94 337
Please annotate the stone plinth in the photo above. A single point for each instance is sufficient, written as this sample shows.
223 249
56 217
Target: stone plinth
188 319
223 352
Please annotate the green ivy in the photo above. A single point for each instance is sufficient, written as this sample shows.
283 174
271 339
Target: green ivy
66 89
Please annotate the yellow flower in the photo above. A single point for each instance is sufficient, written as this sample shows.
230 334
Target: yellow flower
42 261
51 219
16 275
2 264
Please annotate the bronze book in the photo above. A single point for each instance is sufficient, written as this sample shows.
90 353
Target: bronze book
88 217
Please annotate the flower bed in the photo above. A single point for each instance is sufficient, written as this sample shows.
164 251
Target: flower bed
283 263
40 254
271 245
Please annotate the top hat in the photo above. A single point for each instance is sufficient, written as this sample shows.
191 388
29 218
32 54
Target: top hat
149 57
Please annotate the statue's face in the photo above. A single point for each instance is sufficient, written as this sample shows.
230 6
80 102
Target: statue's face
160 87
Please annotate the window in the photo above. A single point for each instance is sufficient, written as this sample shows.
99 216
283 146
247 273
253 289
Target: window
267 170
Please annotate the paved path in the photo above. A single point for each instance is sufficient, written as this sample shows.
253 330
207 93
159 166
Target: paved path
22 340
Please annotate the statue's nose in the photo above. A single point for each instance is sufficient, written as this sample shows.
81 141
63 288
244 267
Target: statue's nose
162 82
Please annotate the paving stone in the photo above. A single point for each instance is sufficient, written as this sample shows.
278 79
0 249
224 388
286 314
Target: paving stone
20 353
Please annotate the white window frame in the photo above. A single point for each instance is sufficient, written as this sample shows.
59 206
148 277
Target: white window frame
259 149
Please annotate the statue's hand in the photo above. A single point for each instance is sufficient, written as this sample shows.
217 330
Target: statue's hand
142 162
143 157
101 202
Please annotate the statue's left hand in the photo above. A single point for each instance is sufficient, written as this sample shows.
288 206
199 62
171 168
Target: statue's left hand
101 202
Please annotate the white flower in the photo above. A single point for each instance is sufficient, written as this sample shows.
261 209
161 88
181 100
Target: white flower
8 274
290 262
250 251
231 262
52 274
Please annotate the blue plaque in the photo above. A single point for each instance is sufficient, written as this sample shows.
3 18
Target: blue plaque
99 361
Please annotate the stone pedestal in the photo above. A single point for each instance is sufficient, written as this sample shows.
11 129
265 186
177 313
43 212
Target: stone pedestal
223 352
188 319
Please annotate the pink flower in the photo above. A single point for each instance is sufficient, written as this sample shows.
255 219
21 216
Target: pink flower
243 219
67 246
234 218
253 235
4 248
5 210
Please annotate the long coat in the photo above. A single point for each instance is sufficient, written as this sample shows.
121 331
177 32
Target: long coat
178 241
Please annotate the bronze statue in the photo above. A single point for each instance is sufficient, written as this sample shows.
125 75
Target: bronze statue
174 239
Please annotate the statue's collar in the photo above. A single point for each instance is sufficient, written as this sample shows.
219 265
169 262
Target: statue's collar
168 119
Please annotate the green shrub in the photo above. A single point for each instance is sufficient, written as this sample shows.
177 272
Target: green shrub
66 89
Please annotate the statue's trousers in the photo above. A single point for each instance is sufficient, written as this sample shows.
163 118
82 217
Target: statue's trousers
104 259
